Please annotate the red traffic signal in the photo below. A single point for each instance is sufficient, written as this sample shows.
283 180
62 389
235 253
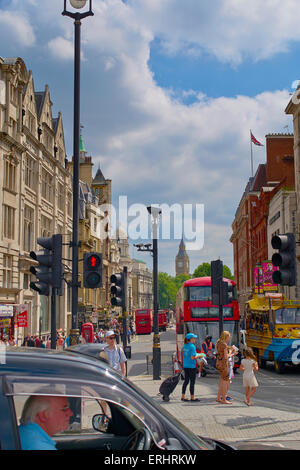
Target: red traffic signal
92 270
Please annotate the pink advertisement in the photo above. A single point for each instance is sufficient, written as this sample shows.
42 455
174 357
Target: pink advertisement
258 280
268 269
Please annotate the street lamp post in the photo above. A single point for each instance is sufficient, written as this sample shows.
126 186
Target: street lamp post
77 4
155 213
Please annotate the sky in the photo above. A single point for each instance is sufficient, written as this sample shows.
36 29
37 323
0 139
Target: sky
169 93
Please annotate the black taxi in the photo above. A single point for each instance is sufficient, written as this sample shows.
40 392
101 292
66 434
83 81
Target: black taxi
108 411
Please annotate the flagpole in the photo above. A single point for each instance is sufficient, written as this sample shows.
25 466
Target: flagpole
251 155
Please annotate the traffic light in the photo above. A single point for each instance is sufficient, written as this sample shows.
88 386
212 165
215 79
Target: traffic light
49 271
92 270
285 259
216 279
117 290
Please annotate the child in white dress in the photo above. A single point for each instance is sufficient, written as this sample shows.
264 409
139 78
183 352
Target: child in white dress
249 365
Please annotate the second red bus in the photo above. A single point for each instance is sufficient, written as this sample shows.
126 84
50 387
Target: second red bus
143 321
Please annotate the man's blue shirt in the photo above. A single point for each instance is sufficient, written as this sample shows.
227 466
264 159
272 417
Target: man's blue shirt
33 437
189 350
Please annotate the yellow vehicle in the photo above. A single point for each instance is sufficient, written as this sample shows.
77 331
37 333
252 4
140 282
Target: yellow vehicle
273 330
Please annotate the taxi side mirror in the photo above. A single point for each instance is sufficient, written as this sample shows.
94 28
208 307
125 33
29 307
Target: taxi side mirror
101 422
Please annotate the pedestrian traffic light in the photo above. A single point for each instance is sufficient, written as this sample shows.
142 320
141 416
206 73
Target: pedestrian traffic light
285 259
117 290
216 280
92 270
49 272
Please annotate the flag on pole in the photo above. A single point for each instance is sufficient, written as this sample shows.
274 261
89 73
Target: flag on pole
254 140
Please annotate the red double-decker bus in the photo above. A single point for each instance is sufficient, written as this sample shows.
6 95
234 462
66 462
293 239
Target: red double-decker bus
162 320
196 314
143 321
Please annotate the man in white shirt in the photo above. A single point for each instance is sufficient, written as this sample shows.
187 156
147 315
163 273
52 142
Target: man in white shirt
115 354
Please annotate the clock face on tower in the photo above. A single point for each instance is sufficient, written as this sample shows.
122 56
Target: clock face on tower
180 264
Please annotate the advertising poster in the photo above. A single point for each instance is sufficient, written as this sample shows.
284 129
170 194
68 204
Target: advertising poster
22 316
268 269
258 280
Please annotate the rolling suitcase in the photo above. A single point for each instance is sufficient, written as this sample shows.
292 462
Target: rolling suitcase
168 386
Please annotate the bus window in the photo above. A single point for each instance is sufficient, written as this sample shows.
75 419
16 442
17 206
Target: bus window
278 317
199 293
289 315
297 316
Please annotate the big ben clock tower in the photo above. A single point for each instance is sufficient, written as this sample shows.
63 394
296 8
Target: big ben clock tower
182 262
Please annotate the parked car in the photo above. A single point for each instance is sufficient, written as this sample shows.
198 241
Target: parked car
108 411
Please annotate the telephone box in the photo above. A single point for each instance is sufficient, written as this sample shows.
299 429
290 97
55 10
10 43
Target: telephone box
88 332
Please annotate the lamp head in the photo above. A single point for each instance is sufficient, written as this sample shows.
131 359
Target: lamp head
154 211
78 4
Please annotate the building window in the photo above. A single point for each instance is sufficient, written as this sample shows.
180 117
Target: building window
9 175
7 271
14 95
28 228
29 172
61 198
46 229
69 205
13 127
8 222
46 185
48 141
31 123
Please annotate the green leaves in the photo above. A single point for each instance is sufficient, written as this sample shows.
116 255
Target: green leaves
168 285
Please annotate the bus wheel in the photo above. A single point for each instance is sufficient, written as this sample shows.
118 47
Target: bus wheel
279 367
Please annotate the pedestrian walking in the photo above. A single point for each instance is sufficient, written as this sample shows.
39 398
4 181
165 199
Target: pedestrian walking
190 355
114 353
248 366
223 367
60 343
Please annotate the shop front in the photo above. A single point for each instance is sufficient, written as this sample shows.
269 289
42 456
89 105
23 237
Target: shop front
6 322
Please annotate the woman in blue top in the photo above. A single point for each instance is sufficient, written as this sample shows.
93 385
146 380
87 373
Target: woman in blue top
189 353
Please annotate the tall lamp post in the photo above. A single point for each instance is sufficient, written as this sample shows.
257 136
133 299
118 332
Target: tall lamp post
155 214
77 4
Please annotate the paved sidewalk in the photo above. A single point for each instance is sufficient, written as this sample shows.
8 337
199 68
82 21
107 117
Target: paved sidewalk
231 423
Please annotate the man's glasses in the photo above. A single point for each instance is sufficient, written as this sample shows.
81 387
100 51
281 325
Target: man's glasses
111 337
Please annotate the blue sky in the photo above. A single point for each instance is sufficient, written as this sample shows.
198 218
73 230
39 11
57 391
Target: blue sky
169 91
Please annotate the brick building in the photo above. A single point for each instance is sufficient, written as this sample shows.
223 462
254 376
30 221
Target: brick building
250 226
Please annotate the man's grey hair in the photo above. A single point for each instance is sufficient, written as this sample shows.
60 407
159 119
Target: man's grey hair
34 405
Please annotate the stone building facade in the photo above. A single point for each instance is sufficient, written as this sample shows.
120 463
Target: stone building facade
35 196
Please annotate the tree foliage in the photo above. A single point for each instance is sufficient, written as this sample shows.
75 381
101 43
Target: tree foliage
168 286
204 270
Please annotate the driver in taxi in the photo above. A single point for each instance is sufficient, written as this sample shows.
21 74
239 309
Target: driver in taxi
42 417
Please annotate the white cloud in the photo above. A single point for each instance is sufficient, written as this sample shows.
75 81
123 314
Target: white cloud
231 30
15 27
61 48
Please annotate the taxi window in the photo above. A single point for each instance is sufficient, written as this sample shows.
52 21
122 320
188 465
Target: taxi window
94 398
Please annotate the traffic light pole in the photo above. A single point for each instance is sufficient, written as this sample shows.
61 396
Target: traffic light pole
124 308
221 327
53 318
156 339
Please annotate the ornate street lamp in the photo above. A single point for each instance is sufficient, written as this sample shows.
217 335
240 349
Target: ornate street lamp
78 5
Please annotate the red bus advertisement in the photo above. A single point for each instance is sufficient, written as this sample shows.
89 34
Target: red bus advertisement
143 321
162 320
196 314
